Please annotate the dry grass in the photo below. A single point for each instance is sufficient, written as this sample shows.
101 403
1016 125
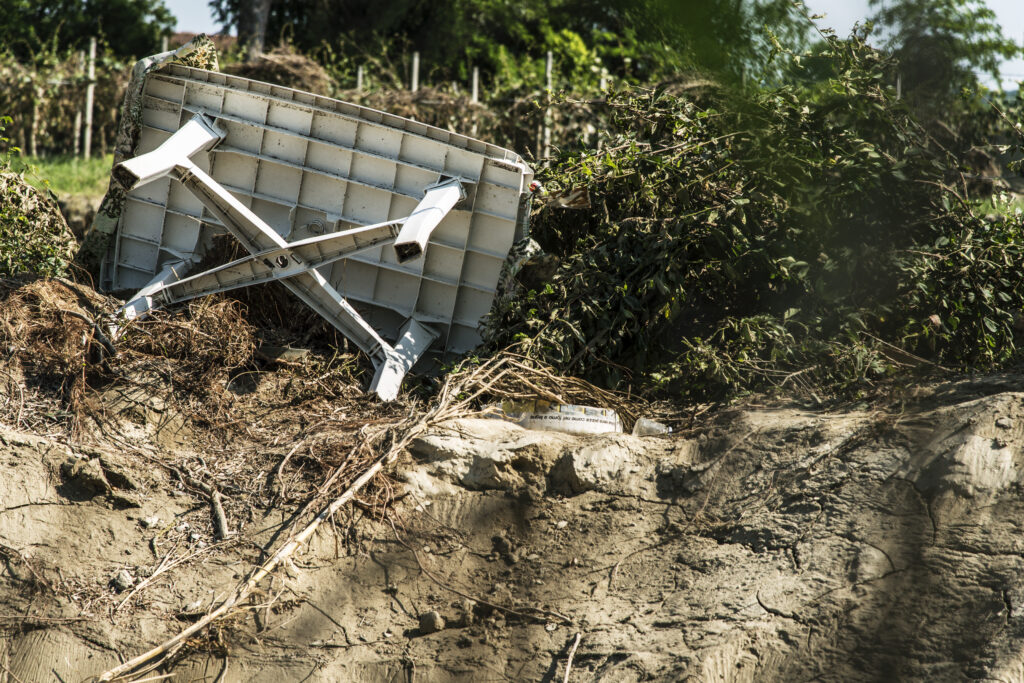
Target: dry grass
302 436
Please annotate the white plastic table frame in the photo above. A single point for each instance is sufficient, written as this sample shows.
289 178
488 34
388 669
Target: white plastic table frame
443 251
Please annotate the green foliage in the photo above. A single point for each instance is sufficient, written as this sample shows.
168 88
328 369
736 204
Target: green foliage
33 235
806 234
130 27
44 91
940 44
632 40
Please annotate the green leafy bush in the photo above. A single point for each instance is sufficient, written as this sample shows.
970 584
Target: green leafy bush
805 235
34 237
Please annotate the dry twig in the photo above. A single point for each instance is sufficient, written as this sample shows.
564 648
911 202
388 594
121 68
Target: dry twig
503 376
572 653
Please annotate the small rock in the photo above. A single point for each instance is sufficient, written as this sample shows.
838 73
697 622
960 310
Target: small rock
431 622
150 522
533 557
86 475
562 524
122 581
467 616
117 472
123 501
1004 423
501 544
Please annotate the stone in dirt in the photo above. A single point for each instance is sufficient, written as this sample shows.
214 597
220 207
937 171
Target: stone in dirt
85 475
122 581
431 622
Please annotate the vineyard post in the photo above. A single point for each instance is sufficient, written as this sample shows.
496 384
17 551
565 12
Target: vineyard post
359 78
547 108
415 71
476 84
78 132
33 134
90 93
164 44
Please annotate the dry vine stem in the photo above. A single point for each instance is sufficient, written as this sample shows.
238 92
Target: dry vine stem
451 402
568 662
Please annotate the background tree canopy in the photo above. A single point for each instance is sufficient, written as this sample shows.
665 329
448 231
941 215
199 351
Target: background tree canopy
638 40
942 45
129 27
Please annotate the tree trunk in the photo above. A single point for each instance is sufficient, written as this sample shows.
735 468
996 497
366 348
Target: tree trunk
252 26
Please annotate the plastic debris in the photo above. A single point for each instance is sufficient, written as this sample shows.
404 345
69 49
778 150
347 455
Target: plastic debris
393 231
557 417
645 427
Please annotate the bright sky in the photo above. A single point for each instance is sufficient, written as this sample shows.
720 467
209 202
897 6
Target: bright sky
842 14
194 16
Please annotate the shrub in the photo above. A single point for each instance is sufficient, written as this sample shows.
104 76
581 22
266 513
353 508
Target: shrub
34 237
805 235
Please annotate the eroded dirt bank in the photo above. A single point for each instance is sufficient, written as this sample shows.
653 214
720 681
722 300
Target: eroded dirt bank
769 544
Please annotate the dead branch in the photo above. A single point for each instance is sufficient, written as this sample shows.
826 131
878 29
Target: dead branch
96 330
453 400
220 522
568 662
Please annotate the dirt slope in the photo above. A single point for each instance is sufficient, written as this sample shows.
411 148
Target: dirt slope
773 544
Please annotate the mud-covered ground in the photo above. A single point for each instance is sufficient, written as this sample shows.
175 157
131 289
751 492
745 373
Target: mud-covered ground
769 543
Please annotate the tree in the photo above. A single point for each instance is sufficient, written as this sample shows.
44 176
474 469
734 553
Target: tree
942 45
251 19
132 28
640 40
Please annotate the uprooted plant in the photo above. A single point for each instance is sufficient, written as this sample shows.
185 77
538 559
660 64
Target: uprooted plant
814 234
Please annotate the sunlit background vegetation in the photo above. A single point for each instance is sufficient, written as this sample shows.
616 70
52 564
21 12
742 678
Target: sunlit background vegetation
770 206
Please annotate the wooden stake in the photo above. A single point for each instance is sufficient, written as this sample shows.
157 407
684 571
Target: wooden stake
415 71
78 132
33 132
476 85
359 79
90 93
547 109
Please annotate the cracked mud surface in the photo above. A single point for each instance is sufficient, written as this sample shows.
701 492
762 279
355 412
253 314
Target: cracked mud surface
775 544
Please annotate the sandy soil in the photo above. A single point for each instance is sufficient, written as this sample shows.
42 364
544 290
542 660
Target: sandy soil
768 544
